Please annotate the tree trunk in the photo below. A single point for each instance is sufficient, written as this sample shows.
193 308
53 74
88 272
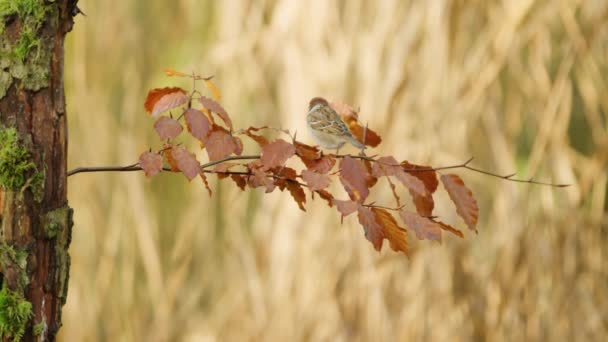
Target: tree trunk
36 222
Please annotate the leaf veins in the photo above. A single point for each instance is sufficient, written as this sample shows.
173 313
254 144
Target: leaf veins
160 100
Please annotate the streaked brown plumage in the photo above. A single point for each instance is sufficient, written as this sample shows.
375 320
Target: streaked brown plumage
326 126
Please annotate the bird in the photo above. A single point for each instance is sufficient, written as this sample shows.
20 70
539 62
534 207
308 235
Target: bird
327 127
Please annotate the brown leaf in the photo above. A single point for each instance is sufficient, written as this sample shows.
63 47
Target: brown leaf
354 177
324 194
350 117
306 151
239 146
160 100
170 160
220 144
262 141
449 228
429 178
186 162
216 108
167 128
373 230
204 179
258 178
297 193
221 169
424 204
216 92
321 165
466 205
345 207
240 181
276 153
151 163
396 235
388 166
283 174
315 181
198 124
424 228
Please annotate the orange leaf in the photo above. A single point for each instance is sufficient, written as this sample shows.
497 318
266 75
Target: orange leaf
198 124
151 163
240 181
297 193
160 100
396 235
424 204
216 93
306 151
204 179
350 117
315 181
276 153
170 160
429 178
218 109
186 162
422 226
449 228
167 128
326 196
373 230
172 72
354 176
466 205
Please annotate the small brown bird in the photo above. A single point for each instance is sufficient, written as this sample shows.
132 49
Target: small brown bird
327 127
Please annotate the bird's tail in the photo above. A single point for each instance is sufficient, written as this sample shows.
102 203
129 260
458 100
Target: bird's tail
355 142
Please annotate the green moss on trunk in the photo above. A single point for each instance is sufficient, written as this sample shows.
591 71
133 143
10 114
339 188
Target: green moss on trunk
17 169
15 312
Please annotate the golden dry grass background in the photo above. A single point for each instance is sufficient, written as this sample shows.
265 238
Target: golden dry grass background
520 85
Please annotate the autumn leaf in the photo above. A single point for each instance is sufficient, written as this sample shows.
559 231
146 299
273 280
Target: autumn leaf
168 148
262 141
396 235
429 178
240 181
373 230
449 228
216 108
160 100
424 228
297 193
258 178
424 204
220 144
388 166
172 72
186 162
306 151
216 92
222 168
282 175
350 117
315 181
151 163
167 128
324 194
321 165
466 205
354 175
276 153
198 124
345 207
204 179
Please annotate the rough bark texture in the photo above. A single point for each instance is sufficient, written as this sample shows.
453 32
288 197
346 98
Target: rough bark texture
36 222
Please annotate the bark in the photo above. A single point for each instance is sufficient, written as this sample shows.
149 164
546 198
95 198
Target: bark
36 222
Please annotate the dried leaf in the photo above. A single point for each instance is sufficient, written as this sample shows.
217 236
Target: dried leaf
258 178
198 124
354 177
172 72
321 165
282 175
373 230
204 179
262 141
240 181
220 144
324 194
396 235
429 178
345 207
424 204
315 181
167 128
449 228
350 117
186 162
216 92
151 163
221 169
216 108
306 151
168 148
424 228
466 205
276 153
297 193
160 100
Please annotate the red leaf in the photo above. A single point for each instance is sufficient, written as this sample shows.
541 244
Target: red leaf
240 181
198 124
422 226
350 117
466 205
220 144
218 109
163 99
345 207
186 162
306 151
262 141
321 165
204 179
283 174
424 204
326 196
151 163
354 176
396 235
167 128
429 178
315 181
373 230
449 228
388 166
297 193
276 153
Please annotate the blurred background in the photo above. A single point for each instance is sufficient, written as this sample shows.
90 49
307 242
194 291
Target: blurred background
520 85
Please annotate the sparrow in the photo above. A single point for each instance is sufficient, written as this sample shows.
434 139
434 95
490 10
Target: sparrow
327 127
